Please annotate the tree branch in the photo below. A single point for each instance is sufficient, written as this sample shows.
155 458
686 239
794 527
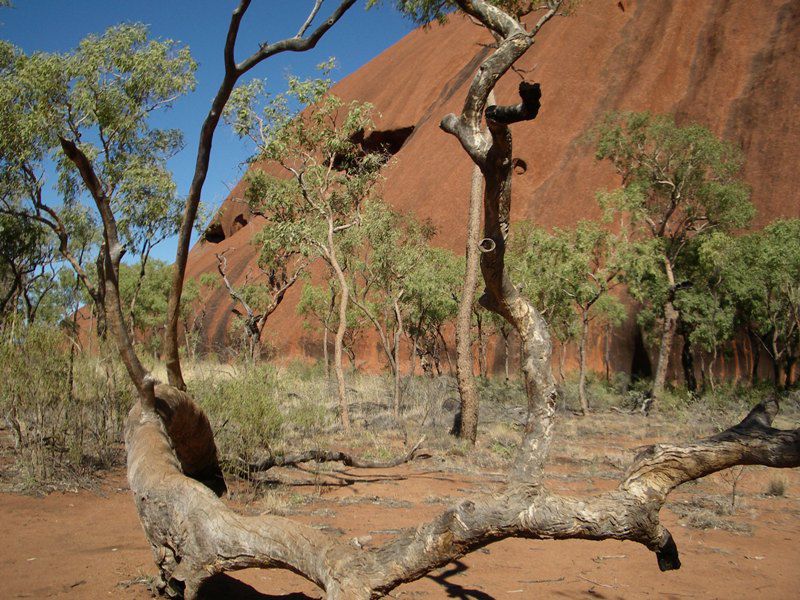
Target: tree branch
296 458
233 72
215 539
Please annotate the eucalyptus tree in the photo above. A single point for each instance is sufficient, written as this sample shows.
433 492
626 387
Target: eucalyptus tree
391 246
318 307
678 184
760 274
431 301
260 295
95 100
589 261
325 179
26 257
531 260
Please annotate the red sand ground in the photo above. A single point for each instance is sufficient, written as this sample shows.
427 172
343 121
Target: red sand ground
84 545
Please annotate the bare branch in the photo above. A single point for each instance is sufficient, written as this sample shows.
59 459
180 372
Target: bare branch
111 254
296 458
301 32
232 73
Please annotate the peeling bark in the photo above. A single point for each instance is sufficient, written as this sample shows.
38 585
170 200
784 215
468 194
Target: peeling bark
467 391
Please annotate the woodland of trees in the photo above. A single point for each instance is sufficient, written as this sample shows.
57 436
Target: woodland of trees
674 238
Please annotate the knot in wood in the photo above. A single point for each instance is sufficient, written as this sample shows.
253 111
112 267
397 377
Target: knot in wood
487 245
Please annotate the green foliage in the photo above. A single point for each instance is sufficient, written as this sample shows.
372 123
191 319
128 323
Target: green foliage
318 305
679 182
433 290
532 260
25 250
568 273
388 267
65 411
759 276
243 411
326 174
101 97
680 185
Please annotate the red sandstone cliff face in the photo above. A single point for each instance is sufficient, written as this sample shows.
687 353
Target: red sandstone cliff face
729 64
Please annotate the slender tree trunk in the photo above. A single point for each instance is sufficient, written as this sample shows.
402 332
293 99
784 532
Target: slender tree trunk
396 359
344 297
711 370
582 353
668 334
607 351
687 362
482 368
665 349
776 361
562 362
255 349
468 427
505 335
755 346
325 356
412 359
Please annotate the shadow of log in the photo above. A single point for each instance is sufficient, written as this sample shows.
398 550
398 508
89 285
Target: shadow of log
225 587
455 590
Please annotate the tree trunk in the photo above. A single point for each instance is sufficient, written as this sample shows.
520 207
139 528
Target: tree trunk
665 349
607 351
194 535
344 297
325 356
468 426
173 470
755 346
788 381
687 362
482 366
505 334
776 361
582 353
667 335
396 359
412 359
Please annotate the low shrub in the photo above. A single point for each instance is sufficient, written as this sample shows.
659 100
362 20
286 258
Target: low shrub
243 411
65 410
777 486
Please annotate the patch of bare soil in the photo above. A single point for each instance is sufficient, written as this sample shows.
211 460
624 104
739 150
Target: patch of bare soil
85 545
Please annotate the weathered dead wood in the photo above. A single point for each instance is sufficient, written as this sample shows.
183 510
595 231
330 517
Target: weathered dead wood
349 460
494 157
194 535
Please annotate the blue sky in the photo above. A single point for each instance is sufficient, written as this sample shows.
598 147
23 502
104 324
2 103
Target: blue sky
58 25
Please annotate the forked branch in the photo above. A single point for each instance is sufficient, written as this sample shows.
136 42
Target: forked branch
233 71
194 535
